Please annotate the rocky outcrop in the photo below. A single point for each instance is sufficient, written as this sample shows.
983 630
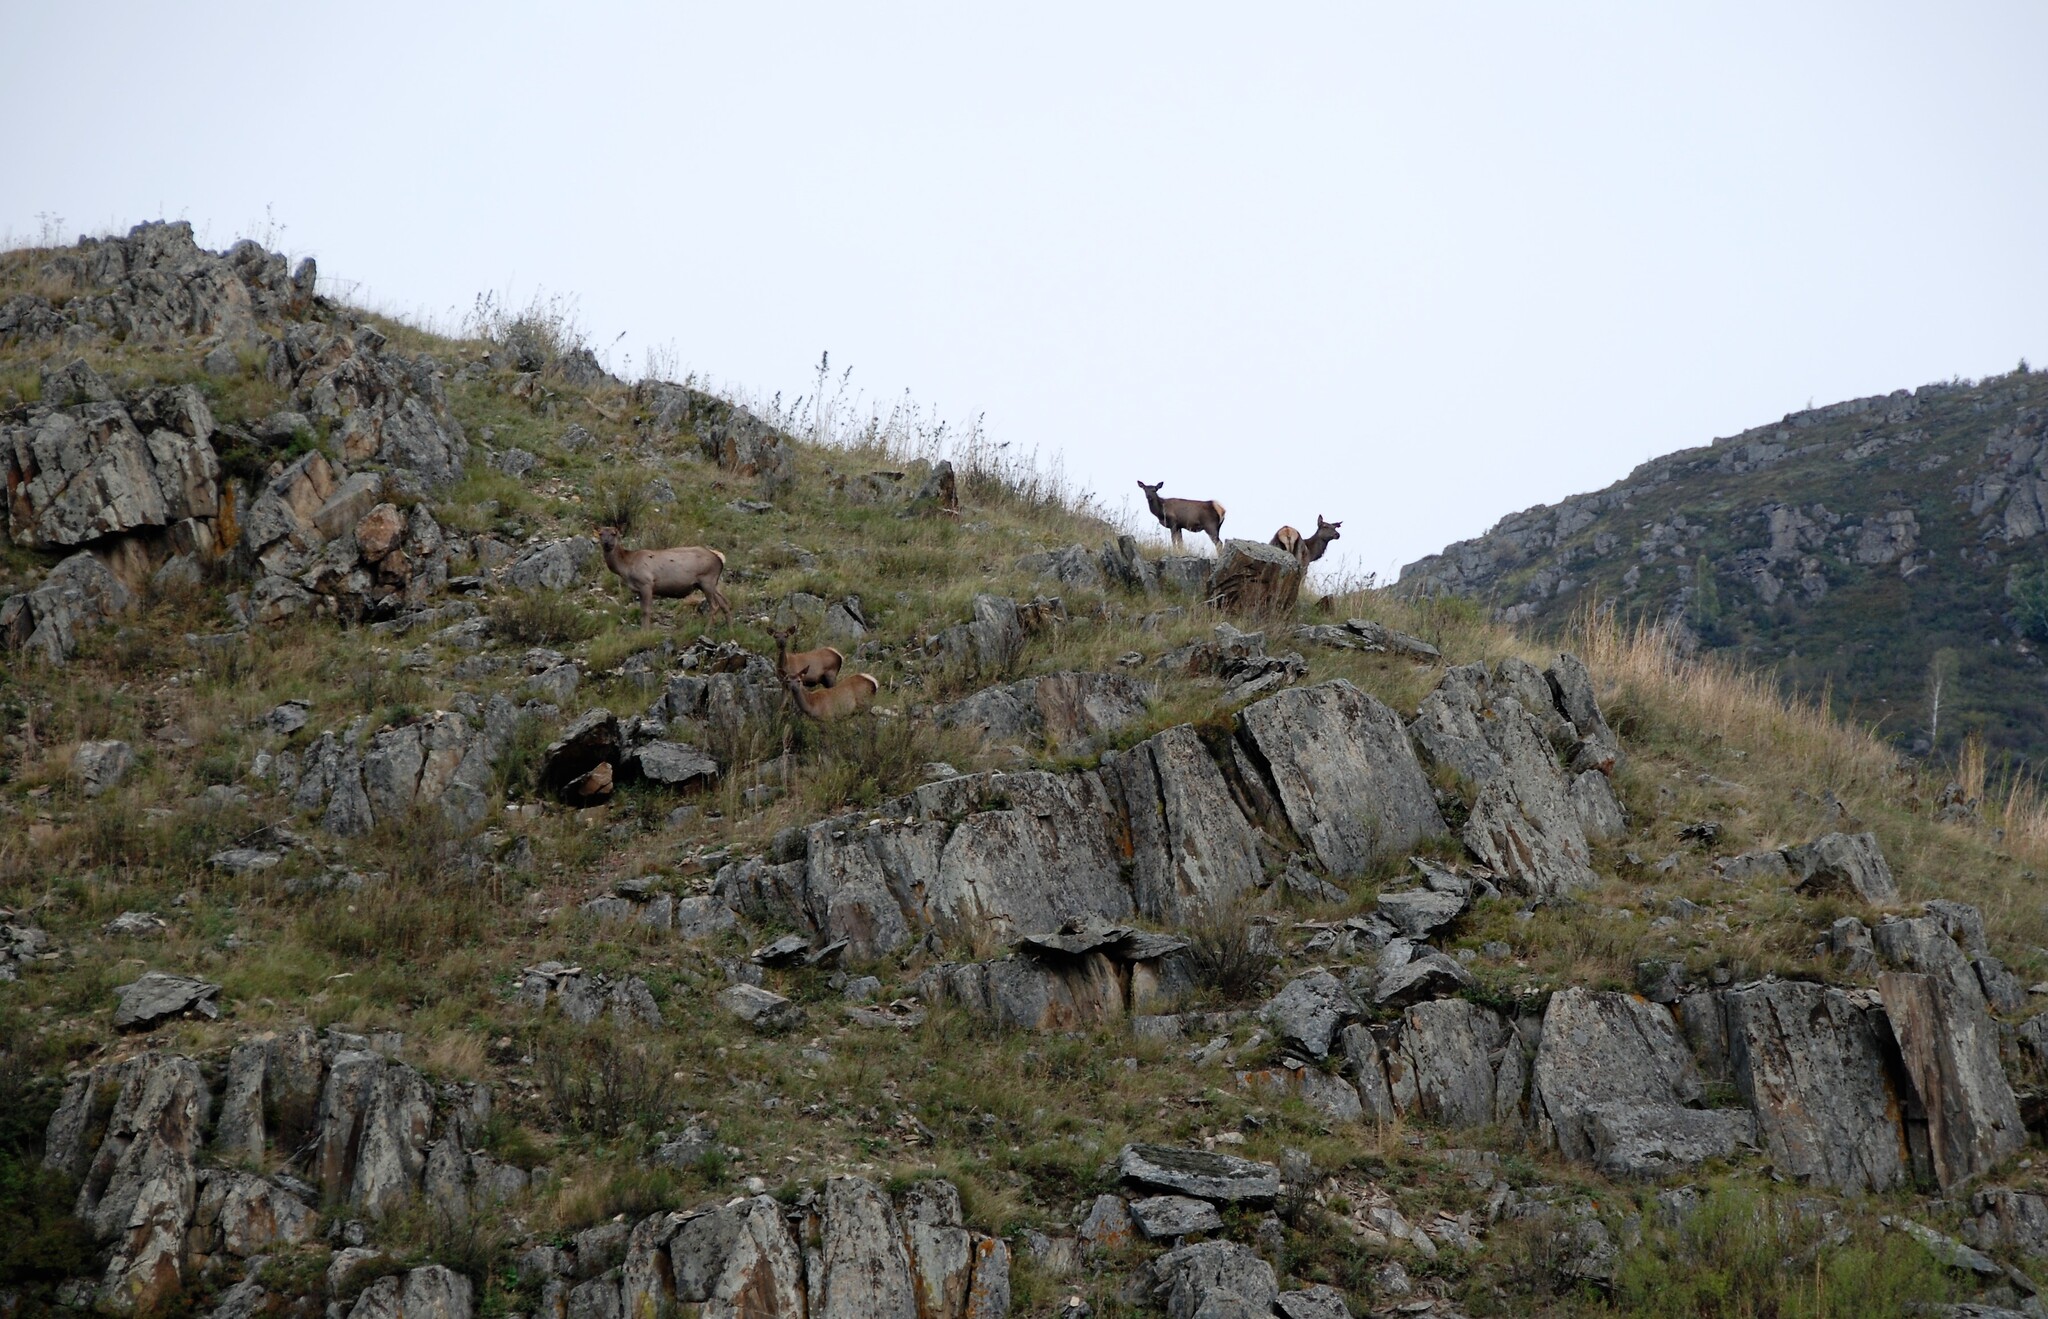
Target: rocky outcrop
1523 823
375 1116
78 474
1340 771
1254 579
80 592
444 759
1812 1065
1456 1063
1950 1049
1084 975
1849 864
1215 1280
1065 710
1614 1085
1192 850
1221 1178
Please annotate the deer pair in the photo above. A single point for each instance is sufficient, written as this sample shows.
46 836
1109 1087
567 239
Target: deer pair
812 678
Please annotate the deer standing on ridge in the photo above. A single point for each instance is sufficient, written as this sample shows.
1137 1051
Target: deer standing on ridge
671 574
812 668
1178 515
1307 549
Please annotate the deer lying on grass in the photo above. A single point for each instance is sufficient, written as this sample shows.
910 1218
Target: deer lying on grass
670 574
1178 515
812 668
824 704
1307 549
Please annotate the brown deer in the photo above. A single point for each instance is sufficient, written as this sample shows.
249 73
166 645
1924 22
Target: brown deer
824 704
812 668
671 574
1307 549
1178 515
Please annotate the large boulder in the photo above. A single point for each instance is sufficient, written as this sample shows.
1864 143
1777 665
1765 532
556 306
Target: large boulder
155 997
1849 864
1306 1013
79 592
737 1261
1456 1063
1223 1178
1950 1049
1342 773
78 474
1602 1049
1524 823
140 1188
861 1251
1810 1062
374 1120
555 566
1192 850
1254 578
1064 709
1215 1280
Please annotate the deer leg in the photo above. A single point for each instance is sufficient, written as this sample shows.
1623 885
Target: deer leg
1177 546
1216 540
647 606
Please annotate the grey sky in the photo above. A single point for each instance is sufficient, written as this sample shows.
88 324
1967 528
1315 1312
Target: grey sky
1411 266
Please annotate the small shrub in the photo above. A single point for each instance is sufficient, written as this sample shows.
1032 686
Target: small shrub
621 504
603 1083
1229 958
540 618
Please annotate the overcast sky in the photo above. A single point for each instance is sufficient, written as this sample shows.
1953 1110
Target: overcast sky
1410 266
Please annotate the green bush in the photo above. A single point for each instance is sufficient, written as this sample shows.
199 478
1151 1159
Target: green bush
1743 1253
2027 588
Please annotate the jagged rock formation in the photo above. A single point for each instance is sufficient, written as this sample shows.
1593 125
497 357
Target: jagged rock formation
1842 545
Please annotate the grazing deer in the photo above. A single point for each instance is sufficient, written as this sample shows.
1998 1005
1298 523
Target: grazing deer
1178 515
812 668
824 704
671 574
1307 549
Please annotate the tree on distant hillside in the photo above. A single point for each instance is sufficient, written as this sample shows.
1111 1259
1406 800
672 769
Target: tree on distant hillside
1941 675
1706 602
2027 586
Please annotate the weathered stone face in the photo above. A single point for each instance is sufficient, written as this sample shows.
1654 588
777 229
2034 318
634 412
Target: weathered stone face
1811 1065
1601 1050
1343 774
1950 1049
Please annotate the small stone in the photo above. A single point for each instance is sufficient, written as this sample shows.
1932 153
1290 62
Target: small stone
99 766
1165 1217
762 1009
157 996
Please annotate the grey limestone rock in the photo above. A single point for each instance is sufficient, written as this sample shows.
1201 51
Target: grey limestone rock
1524 824
673 764
1367 1071
1810 1062
140 1191
1343 774
99 766
1606 1049
739 1255
1922 944
373 1125
1653 1140
1306 1013
866 1269
1319 1301
1165 1217
1064 709
1950 1048
1222 1178
1419 913
1215 1280
2008 1219
431 1292
156 997
1844 863
1429 976
79 592
555 566
762 1009
1451 1063
1192 849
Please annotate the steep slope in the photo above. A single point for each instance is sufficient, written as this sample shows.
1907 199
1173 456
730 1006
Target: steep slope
393 926
1846 548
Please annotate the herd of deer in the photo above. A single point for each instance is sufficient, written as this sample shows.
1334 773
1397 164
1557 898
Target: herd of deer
813 678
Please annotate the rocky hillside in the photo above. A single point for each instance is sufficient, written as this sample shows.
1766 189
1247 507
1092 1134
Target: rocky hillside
392 927
1863 548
